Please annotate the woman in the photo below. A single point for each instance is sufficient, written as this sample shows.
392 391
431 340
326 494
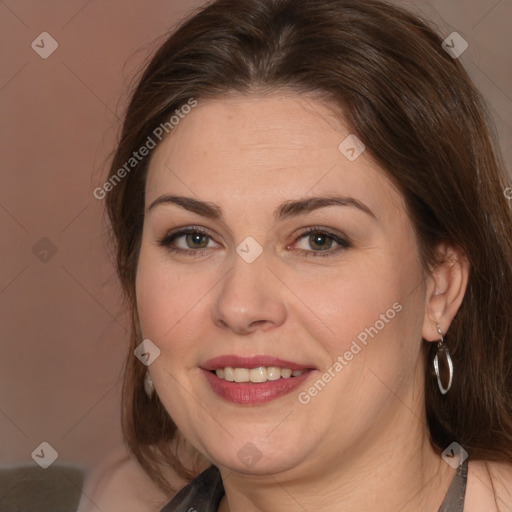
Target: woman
315 245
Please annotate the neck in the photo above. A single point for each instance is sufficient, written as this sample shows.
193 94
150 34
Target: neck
366 477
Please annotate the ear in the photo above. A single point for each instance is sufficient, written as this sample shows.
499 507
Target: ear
445 289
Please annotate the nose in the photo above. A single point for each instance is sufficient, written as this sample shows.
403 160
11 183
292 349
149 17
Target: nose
250 298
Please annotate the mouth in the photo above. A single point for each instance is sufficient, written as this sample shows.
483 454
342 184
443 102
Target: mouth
256 375
254 380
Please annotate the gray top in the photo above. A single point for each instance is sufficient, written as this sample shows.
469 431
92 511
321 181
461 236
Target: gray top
204 493
454 499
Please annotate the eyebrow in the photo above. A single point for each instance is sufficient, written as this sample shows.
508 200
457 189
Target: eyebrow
287 209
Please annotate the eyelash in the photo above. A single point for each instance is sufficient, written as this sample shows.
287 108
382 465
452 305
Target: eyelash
343 243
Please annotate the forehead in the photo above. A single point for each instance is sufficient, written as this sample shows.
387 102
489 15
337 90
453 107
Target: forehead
240 150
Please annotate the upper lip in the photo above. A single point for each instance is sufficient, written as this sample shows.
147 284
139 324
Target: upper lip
251 362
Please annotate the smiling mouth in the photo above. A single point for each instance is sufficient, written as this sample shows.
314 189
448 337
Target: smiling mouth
256 380
256 375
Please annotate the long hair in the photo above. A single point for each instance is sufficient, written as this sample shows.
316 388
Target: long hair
422 120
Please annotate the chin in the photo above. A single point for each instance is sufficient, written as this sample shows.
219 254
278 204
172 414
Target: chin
258 458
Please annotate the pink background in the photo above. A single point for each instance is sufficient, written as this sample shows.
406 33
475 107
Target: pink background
63 329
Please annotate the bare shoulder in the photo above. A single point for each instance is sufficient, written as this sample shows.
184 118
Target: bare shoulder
119 484
501 479
489 486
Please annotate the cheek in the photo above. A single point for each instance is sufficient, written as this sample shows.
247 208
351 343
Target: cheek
164 298
376 316
357 297
375 313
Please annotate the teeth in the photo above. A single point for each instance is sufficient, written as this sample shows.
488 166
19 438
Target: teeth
273 373
241 374
260 374
286 373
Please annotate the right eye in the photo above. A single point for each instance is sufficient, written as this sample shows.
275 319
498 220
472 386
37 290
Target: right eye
195 240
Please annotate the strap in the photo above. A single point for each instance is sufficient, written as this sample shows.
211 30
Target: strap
454 499
204 493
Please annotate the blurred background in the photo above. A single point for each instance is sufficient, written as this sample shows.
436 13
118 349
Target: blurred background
67 67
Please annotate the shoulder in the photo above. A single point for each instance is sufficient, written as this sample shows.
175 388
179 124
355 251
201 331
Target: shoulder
489 486
119 484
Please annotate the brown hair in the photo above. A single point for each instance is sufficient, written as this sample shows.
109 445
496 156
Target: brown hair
423 122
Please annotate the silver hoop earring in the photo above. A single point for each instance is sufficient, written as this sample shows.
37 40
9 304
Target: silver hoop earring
443 352
149 387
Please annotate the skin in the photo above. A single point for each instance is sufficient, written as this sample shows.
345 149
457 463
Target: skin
362 442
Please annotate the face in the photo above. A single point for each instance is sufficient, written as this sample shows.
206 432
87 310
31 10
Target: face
287 256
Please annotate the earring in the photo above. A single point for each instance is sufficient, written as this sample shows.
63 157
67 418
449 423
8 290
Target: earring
149 387
442 351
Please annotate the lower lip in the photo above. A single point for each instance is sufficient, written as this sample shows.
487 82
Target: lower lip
251 393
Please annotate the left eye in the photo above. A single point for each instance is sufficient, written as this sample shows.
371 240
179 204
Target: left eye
320 241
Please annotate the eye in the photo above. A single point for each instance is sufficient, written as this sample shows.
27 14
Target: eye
321 241
192 241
